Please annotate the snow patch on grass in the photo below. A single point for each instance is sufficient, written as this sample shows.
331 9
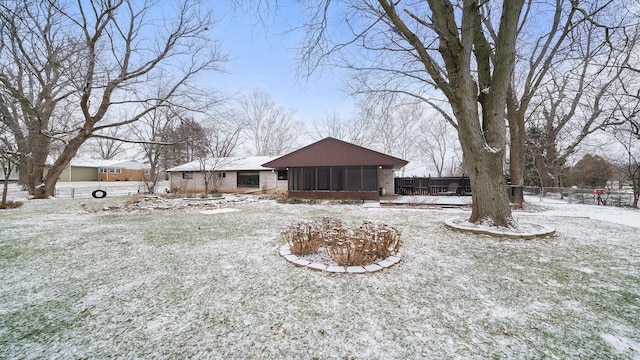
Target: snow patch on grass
219 211
519 230
622 345
168 284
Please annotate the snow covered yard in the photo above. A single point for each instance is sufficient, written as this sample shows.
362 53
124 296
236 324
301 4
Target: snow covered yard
183 284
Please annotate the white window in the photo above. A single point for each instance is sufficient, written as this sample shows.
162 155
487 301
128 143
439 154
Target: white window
103 170
187 175
115 170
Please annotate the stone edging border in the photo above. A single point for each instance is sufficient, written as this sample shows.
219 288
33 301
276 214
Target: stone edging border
543 233
285 252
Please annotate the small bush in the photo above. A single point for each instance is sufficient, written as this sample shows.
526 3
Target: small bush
360 246
133 200
363 245
349 202
295 201
304 238
11 205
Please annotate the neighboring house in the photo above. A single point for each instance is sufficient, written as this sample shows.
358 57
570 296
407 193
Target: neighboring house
105 170
334 169
231 174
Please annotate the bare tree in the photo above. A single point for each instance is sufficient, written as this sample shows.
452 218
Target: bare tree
98 56
223 133
153 132
627 114
9 156
34 75
576 99
417 47
167 138
8 161
356 129
631 161
541 45
437 142
270 129
393 124
108 147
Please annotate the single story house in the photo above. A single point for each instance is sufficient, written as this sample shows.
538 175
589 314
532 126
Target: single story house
105 170
231 174
327 169
335 169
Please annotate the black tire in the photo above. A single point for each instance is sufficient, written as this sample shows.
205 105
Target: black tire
99 194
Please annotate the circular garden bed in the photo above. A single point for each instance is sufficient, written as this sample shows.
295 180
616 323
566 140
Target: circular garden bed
329 245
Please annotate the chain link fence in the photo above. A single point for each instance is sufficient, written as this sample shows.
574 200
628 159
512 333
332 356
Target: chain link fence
86 189
118 188
607 197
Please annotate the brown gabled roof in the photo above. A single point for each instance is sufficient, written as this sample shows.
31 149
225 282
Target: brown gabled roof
334 152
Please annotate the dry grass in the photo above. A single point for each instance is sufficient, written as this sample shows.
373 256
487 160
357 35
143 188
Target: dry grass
180 284
11 205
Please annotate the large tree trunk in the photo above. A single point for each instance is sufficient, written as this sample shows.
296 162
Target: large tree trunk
5 187
484 161
48 188
488 187
635 183
36 162
483 135
517 160
548 175
483 147
516 169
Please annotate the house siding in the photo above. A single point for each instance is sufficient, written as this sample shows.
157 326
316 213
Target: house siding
125 175
179 184
228 183
90 171
385 180
79 173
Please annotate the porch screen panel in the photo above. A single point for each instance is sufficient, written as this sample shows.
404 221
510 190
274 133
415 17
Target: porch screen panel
324 178
295 181
337 178
309 179
354 178
370 178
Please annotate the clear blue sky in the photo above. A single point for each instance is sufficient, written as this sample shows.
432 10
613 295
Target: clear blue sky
263 56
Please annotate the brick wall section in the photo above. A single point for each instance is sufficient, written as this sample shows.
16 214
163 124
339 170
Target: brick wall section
125 175
385 180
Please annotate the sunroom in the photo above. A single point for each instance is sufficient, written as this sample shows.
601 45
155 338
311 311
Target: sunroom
334 169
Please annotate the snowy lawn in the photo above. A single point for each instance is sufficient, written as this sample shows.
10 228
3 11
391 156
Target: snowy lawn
186 284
